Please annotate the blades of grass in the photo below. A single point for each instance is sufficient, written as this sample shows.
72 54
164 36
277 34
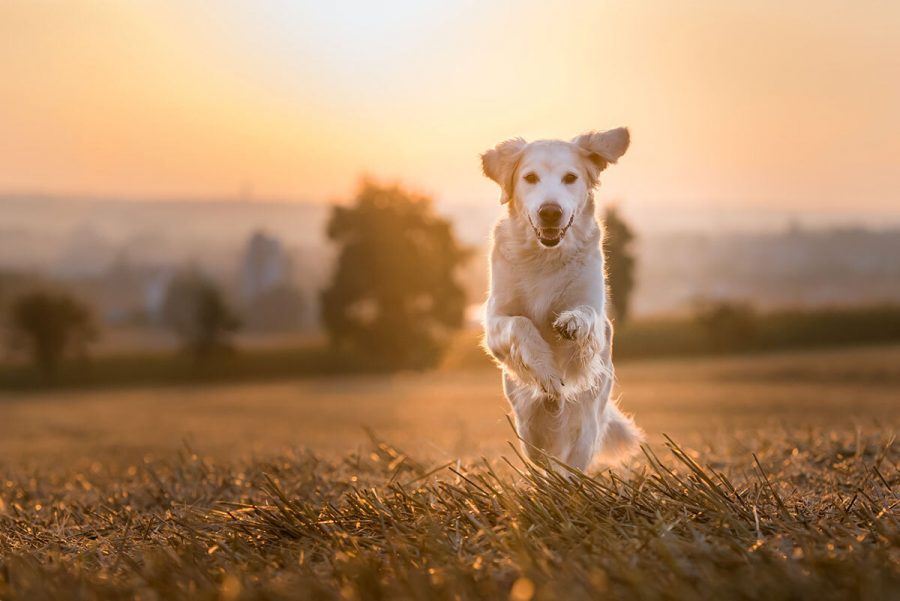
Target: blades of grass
785 514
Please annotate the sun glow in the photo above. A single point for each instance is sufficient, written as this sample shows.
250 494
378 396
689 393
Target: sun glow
757 103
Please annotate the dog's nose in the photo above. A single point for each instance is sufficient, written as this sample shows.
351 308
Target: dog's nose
550 214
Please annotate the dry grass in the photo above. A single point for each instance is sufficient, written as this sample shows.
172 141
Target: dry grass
780 515
101 499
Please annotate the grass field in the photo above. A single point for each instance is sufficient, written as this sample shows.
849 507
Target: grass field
782 483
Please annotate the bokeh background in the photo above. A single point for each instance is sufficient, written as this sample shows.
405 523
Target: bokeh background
245 226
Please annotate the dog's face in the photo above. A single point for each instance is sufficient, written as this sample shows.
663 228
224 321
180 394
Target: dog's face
550 187
549 181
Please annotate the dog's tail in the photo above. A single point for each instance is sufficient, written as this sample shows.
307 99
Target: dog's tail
622 438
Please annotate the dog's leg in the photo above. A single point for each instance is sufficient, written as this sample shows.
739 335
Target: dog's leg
568 431
516 343
621 437
537 421
591 333
586 436
584 327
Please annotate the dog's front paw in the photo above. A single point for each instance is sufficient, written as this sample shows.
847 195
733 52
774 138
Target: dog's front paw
574 325
532 366
552 385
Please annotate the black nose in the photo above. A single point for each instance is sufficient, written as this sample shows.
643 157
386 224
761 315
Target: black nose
550 214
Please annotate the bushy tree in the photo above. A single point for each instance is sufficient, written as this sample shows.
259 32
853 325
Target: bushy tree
48 325
394 294
620 262
196 311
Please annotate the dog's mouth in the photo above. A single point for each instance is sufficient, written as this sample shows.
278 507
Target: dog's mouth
550 236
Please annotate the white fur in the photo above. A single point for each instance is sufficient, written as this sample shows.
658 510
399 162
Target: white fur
546 322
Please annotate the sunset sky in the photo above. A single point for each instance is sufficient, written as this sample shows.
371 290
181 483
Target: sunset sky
768 104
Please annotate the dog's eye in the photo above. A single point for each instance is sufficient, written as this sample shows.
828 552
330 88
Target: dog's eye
569 178
532 178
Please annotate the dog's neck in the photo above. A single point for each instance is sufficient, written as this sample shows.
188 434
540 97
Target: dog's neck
522 245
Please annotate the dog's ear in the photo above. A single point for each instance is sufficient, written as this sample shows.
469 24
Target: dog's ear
602 148
500 163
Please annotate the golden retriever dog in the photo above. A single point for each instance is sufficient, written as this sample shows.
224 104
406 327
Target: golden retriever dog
545 320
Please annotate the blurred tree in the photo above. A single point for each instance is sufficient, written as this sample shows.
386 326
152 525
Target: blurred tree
394 294
48 324
729 325
620 261
196 310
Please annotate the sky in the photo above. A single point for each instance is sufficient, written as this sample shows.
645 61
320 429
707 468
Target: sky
765 104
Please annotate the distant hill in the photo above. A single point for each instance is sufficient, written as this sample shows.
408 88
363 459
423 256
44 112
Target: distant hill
77 238
794 267
62 234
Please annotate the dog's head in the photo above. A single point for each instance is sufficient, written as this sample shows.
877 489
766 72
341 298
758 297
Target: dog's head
550 181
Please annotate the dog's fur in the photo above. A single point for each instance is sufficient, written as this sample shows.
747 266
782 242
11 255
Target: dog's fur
545 320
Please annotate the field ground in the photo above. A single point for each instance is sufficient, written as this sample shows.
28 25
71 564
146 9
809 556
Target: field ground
454 414
783 484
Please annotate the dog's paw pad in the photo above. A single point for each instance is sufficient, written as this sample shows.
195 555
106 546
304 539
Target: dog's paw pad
552 387
564 330
570 326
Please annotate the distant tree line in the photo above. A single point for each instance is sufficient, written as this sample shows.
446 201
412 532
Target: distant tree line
394 299
48 325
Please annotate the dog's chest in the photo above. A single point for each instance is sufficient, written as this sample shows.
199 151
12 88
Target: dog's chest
542 295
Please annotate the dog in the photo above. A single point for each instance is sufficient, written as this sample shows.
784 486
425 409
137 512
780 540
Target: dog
545 319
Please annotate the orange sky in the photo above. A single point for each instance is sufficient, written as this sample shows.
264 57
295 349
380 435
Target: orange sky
794 105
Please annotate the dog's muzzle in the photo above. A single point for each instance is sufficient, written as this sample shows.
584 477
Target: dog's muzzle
550 236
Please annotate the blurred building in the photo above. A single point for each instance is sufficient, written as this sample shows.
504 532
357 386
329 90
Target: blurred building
126 293
265 267
269 298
